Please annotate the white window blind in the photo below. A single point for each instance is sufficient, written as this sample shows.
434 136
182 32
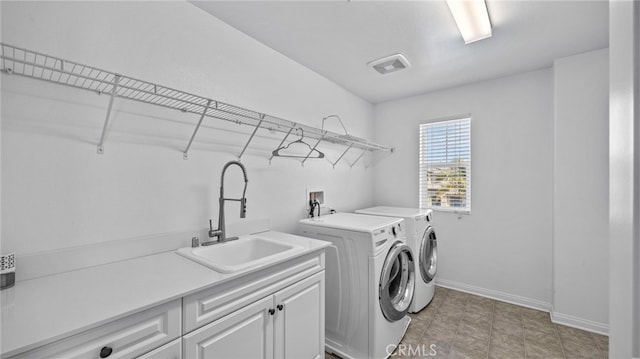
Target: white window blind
445 165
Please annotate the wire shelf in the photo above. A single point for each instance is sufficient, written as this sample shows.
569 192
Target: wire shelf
28 63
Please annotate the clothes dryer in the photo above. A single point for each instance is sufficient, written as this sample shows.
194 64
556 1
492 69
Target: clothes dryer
421 237
370 279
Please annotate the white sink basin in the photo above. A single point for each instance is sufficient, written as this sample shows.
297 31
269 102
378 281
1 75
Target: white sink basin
240 254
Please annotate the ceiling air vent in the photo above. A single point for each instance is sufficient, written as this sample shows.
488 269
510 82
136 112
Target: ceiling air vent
389 64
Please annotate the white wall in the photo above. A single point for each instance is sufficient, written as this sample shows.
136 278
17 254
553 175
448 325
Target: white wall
624 173
503 248
581 191
1 252
57 192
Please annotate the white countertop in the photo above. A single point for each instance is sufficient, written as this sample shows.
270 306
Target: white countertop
39 311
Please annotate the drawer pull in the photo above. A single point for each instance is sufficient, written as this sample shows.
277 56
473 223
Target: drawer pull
105 352
272 311
280 307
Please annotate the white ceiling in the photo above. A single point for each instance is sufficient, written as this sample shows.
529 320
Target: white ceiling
338 38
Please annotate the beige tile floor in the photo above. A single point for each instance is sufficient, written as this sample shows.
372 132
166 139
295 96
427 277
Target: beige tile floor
459 325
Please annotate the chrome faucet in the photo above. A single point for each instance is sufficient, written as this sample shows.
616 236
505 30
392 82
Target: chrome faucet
221 232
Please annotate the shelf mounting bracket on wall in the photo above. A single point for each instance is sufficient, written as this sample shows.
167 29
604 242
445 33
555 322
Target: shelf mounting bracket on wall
251 137
114 90
358 159
342 155
185 154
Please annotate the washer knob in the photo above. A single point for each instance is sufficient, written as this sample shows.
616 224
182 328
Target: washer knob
394 231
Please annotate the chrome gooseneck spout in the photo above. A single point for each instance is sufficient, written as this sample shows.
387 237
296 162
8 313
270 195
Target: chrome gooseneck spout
221 232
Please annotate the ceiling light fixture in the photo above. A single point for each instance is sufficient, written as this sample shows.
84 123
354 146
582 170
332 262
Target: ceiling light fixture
472 19
389 64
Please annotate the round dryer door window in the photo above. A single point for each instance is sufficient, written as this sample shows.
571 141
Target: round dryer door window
397 282
428 255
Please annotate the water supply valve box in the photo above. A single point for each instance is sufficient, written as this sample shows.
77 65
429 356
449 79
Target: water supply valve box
316 204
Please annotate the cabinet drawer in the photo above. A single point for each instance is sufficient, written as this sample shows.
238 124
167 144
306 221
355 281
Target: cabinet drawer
124 338
211 304
172 350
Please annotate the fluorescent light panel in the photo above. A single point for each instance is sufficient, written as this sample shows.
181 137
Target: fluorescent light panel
472 19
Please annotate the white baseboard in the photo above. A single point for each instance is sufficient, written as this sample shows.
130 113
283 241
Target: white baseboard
556 317
580 323
497 295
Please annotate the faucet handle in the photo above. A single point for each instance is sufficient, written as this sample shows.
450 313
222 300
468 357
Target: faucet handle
243 207
195 242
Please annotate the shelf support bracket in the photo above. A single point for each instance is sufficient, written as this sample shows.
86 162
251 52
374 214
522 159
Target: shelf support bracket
185 154
282 142
312 149
114 90
358 159
251 137
342 155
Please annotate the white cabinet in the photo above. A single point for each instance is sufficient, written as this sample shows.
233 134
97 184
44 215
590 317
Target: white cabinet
287 324
276 312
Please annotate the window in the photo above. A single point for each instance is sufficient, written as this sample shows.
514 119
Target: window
445 165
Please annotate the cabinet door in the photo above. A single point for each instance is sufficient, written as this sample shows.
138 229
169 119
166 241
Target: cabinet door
245 333
299 319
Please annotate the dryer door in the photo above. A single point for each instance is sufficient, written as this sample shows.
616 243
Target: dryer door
428 255
397 282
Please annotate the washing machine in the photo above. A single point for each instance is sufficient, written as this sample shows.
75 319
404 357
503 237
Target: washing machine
370 282
421 237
